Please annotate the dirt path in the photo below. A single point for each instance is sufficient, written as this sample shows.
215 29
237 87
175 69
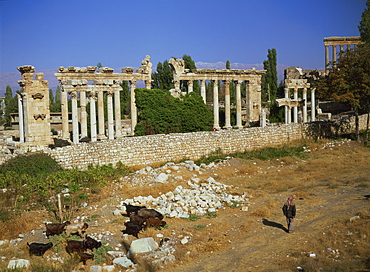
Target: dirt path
269 244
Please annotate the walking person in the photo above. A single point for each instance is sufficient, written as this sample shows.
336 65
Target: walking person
289 211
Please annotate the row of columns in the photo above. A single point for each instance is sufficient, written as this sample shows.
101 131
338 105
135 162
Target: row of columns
97 114
288 108
216 120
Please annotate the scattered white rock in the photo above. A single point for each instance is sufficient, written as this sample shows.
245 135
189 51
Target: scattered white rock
19 263
143 245
123 261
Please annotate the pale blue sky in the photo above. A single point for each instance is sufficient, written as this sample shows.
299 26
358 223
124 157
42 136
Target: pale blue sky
52 33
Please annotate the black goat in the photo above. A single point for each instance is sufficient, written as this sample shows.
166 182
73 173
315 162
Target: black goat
38 249
132 208
55 228
132 228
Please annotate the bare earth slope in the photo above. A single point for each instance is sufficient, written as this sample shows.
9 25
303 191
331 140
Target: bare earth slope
330 187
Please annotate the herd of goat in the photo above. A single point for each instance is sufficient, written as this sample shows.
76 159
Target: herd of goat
140 218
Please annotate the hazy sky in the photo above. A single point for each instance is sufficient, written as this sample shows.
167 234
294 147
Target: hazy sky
118 33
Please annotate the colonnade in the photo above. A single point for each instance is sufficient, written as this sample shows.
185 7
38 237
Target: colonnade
297 102
252 78
335 42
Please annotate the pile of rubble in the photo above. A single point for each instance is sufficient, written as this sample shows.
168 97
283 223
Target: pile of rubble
201 196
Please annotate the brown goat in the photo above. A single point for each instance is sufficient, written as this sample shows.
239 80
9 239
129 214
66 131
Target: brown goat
81 246
150 213
78 229
154 222
55 228
137 219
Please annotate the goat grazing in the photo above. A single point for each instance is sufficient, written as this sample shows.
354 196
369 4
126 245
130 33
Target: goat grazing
38 249
81 246
85 256
137 219
150 213
55 228
132 228
79 229
154 222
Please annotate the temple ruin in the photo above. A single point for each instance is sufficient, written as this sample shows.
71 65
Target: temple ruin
332 44
252 78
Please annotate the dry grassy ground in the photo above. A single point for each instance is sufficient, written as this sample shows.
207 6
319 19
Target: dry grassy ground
330 186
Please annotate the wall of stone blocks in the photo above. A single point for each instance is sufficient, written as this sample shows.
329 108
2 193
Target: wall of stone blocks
153 149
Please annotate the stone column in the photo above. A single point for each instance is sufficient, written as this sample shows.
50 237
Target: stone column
148 84
203 91
295 109
177 84
64 108
190 86
248 102
110 115
83 114
287 109
238 105
75 132
20 118
227 105
313 106
93 116
101 122
216 124
304 105
326 57
334 55
133 107
117 111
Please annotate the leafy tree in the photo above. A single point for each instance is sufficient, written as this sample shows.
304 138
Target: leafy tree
364 26
349 81
11 104
163 77
190 64
160 112
227 64
269 79
125 98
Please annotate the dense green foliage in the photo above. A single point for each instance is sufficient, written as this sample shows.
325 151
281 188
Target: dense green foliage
31 181
160 113
269 80
163 78
364 26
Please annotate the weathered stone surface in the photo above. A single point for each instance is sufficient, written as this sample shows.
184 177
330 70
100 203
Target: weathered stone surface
143 245
19 263
123 261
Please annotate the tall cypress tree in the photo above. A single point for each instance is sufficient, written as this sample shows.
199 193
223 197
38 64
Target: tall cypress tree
190 64
269 80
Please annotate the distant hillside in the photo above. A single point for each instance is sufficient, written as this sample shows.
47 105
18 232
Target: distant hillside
11 79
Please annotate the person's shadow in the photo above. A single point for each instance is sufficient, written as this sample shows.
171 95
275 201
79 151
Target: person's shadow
274 224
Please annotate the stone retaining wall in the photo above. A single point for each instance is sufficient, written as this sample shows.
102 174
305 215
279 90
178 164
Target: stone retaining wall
155 149
151 149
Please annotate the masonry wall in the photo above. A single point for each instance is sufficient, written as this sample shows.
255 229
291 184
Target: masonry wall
146 150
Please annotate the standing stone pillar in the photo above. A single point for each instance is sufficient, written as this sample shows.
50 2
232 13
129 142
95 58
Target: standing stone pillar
83 114
313 106
133 107
117 111
295 109
216 124
20 117
304 105
110 115
93 116
334 55
203 91
177 84
238 105
190 86
101 122
287 109
75 133
227 105
64 108
148 84
248 102
326 58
